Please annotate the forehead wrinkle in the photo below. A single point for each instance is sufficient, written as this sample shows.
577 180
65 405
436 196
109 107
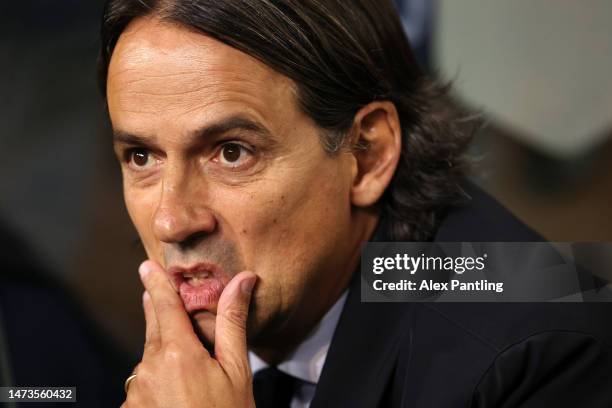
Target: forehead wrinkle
237 85
148 76
180 90
185 58
204 77
208 106
190 51
187 101
180 78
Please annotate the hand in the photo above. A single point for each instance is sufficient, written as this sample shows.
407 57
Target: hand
176 370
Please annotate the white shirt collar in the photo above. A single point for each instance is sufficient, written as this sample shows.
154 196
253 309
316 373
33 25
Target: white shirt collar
306 361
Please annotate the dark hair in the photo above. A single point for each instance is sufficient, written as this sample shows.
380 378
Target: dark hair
342 55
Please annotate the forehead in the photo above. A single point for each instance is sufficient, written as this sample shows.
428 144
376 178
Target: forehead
164 70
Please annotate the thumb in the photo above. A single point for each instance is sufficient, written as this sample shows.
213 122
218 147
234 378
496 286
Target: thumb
230 327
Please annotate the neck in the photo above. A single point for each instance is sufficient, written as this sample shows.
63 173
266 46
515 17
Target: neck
276 349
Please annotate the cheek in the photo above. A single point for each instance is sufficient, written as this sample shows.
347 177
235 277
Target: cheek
286 225
292 243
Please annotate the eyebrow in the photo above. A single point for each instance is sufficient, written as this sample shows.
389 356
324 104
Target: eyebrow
238 122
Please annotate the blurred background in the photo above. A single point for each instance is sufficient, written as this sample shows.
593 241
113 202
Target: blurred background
536 70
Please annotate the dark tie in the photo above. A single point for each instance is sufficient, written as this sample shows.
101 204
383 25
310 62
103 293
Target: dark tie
273 388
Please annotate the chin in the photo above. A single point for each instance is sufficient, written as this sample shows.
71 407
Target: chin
204 326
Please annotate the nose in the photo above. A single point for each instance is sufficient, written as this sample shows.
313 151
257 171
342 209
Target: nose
181 214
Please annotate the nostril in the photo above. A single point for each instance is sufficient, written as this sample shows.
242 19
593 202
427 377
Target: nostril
193 240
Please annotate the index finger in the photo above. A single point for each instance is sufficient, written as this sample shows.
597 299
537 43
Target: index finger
172 318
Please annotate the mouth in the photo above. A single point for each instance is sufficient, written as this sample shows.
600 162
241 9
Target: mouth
199 285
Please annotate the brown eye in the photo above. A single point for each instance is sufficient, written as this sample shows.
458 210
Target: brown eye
140 158
235 156
231 152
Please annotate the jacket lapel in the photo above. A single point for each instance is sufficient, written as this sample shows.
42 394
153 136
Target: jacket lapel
363 351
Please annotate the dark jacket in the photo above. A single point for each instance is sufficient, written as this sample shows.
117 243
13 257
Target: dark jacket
469 354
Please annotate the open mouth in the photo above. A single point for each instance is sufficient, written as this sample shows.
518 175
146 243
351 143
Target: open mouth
196 279
200 286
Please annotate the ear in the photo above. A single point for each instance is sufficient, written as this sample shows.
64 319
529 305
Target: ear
378 144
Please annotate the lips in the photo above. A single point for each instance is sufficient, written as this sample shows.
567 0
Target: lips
199 285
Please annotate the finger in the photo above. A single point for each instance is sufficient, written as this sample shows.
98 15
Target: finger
172 319
230 327
152 334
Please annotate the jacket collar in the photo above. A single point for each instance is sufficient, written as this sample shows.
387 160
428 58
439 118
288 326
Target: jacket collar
363 350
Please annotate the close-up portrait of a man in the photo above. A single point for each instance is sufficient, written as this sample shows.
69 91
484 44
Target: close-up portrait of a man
262 145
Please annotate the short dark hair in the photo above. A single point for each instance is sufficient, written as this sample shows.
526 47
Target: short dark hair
341 55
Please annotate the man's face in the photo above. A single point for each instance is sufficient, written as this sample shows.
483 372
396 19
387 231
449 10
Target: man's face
222 173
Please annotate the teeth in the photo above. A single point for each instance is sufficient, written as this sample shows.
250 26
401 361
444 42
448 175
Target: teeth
196 279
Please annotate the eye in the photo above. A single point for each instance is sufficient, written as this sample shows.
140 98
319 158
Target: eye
139 159
234 155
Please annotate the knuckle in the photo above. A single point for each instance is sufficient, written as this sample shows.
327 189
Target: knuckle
138 369
141 369
150 346
144 381
173 353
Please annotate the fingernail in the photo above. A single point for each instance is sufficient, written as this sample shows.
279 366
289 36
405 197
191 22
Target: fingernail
143 270
247 285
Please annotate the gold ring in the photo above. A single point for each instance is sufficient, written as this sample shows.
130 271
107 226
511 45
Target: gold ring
126 385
